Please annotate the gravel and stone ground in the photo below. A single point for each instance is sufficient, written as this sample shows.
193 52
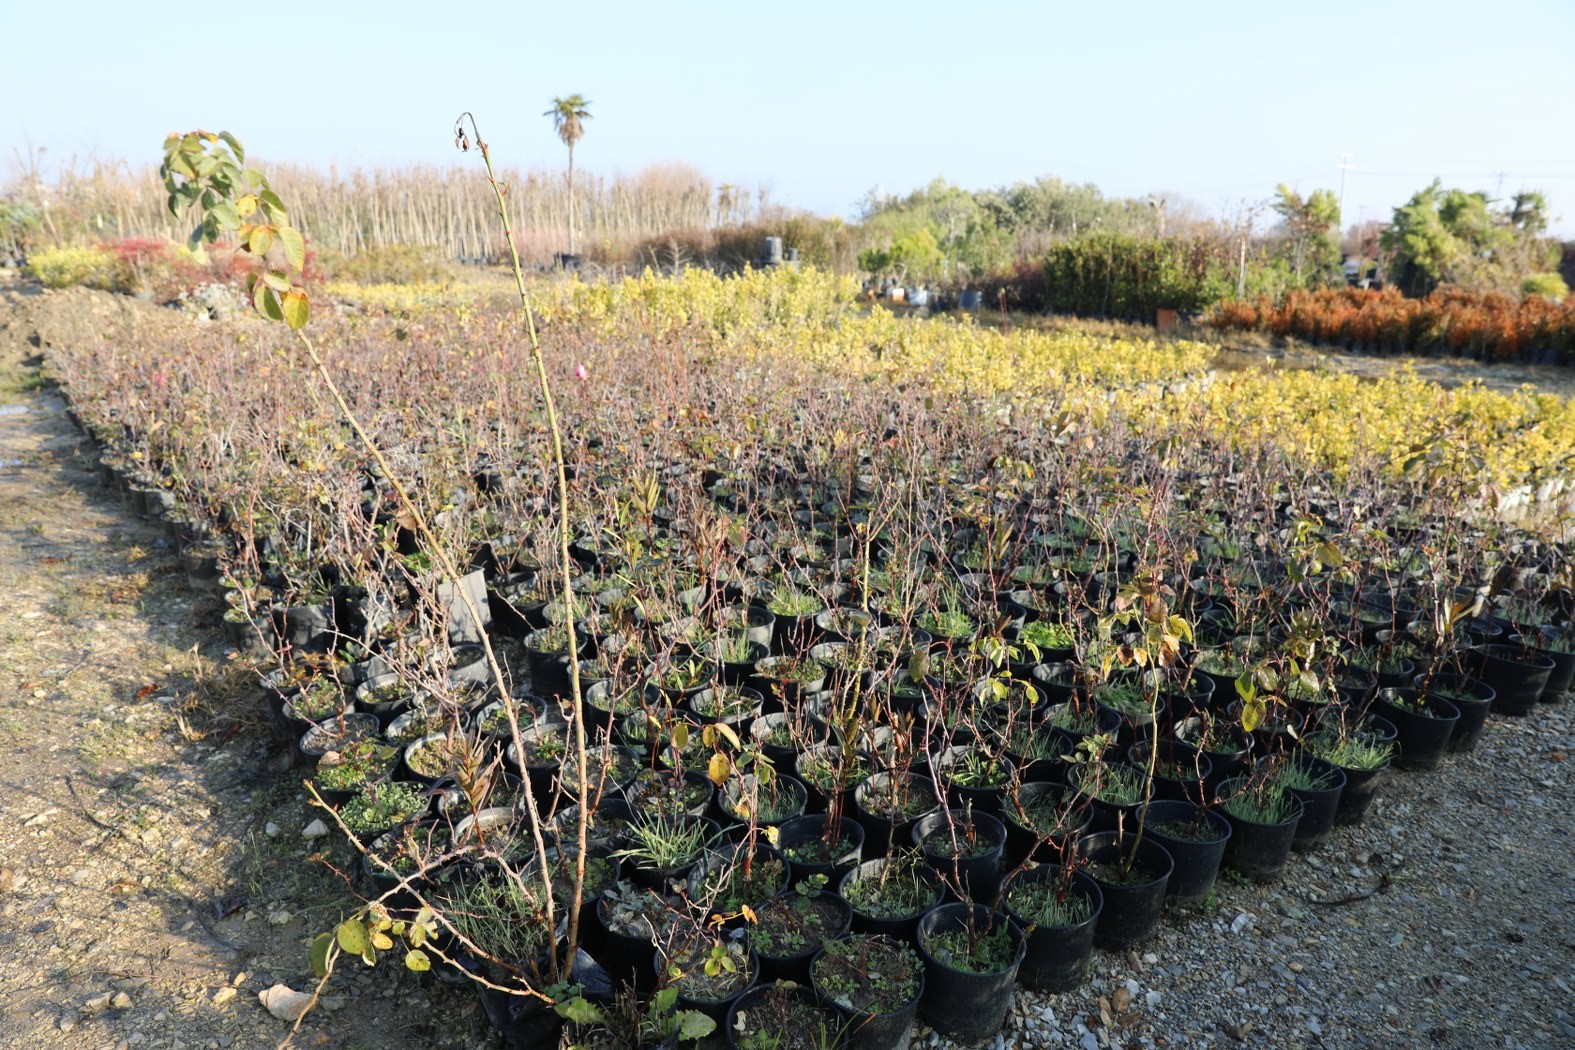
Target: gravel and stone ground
154 877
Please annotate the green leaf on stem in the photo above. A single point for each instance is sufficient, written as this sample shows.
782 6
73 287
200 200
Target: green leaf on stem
320 949
235 145
353 937
294 246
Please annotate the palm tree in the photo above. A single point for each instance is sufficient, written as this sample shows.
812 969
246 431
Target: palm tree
567 115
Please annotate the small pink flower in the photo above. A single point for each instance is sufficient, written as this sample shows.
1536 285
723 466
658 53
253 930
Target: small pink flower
581 372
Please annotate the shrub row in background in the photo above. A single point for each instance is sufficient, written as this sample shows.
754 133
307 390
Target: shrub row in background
1490 327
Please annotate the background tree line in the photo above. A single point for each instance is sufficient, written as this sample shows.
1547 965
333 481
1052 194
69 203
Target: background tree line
1044 244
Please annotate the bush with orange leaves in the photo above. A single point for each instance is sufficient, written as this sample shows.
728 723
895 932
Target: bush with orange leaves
1491 327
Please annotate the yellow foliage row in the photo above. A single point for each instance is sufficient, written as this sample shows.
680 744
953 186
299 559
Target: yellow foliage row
413 298
1319 420
64 267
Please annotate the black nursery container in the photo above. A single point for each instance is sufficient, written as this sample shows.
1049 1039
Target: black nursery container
1056 958
972 865
1422 736
801 831
1197 860
900 927
1517 677
1131 911
1472 697
875 1031
968 1007
1258 850
1320 805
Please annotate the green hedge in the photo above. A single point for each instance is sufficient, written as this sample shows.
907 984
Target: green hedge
1115 275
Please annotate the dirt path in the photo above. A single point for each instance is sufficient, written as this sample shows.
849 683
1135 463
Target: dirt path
143 902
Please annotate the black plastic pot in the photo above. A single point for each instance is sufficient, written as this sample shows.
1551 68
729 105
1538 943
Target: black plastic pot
628 958
526 1022
901 927
1199 766
679 787
794 966
782 758
730 857
788 801
1257 850
1224 762
976 875
1319 805
1472 697
1197 863
658 878
541 770
883 1031
820 800
881 833
1131 911
966 1006
1056 958
716 1009
390 707
1516 676
983 799
549 671
334 734
308 628
1361 787
1107 816
1563 672
1422 738
1049 847
807 829
743 1012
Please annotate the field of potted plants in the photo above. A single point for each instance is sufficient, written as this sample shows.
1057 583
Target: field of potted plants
907 660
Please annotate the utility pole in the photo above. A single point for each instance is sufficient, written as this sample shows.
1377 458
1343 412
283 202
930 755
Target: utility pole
1345 165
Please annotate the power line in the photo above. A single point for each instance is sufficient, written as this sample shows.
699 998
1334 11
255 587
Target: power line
1345 165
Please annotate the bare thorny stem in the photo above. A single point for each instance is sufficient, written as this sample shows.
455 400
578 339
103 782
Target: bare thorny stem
565 561
446 564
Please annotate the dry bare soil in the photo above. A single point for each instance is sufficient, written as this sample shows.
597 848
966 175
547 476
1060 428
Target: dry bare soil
143 902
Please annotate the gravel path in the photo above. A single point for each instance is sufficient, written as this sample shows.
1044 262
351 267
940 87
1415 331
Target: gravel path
1468 941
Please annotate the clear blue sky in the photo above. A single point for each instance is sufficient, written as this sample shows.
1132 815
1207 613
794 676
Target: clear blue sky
1213 100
